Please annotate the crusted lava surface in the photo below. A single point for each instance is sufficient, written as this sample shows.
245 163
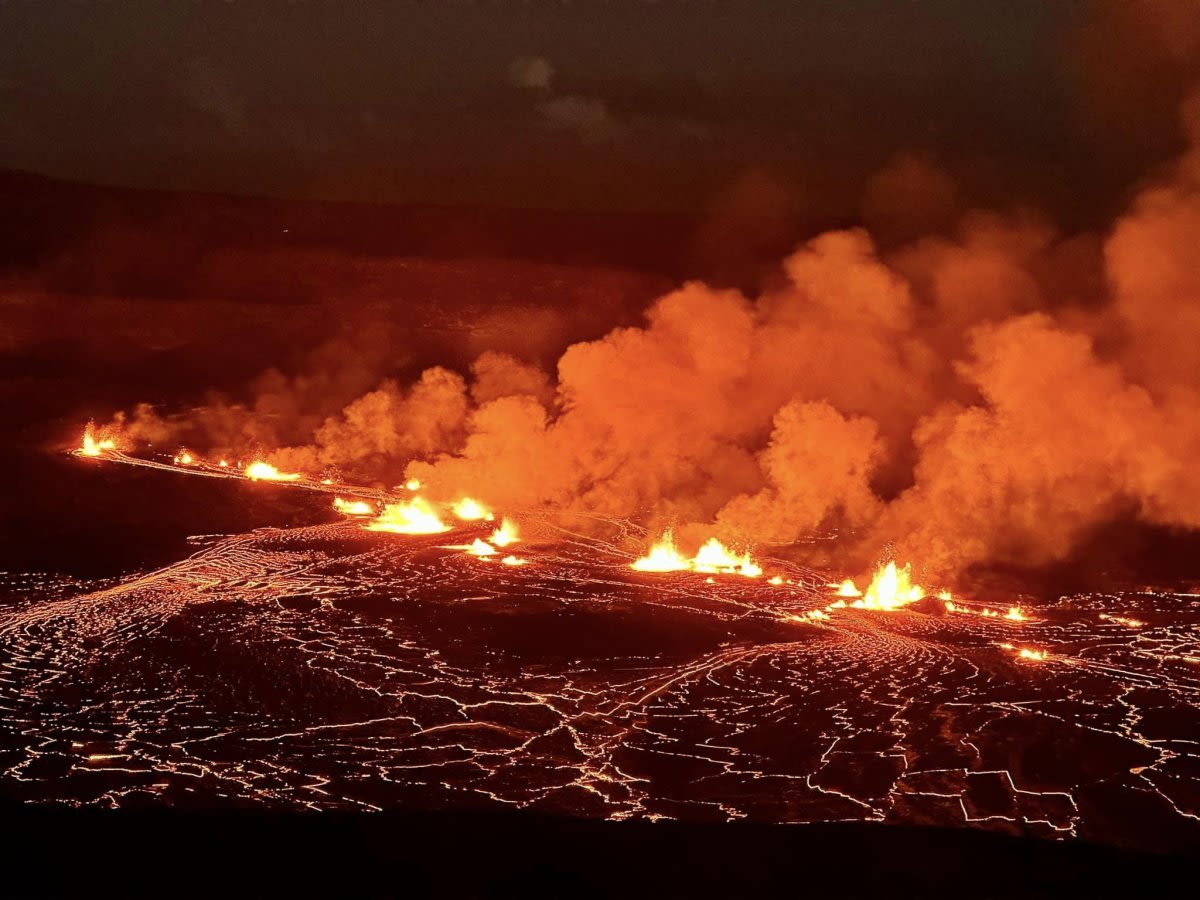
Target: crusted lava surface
320 665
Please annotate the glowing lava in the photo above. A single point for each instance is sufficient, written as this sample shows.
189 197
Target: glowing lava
1014 614
412 484
184 458
470 510
353 507
414 517
514 561
504 535
664 556
93 444
713 558
716 557
891 588
1123 620
481 548
264 471
847 589
1030 653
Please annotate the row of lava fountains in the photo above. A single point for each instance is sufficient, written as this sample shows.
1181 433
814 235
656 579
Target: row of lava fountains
891 587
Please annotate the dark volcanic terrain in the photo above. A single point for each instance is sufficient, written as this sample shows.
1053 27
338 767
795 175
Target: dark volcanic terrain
322 666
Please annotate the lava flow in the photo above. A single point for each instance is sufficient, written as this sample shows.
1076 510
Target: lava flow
768 695
551 693
353 507
264 471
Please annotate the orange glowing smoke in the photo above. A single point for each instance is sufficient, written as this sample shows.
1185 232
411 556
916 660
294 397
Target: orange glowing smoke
353 507
414 517
712 558
891 588
264 471
94 444
470 510
504 535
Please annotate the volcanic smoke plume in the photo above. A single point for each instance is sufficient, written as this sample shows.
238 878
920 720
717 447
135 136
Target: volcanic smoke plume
988 392
992 396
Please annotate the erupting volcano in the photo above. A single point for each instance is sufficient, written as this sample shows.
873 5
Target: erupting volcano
711 432
796 696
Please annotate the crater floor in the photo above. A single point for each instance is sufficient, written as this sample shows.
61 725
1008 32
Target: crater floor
328 667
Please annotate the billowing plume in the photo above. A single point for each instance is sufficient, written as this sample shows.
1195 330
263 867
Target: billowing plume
989 395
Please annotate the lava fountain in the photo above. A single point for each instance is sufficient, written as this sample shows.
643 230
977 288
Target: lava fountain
711 559
664 556
353 507
414 517
264 471
504 535
470 510
94 444
891 588
715 557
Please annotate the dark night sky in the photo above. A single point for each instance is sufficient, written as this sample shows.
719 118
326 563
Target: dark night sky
562 105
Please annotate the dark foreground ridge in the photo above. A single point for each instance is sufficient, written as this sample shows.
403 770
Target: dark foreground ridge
130 853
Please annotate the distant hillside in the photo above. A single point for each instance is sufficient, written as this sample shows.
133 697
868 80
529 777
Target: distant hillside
89 238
